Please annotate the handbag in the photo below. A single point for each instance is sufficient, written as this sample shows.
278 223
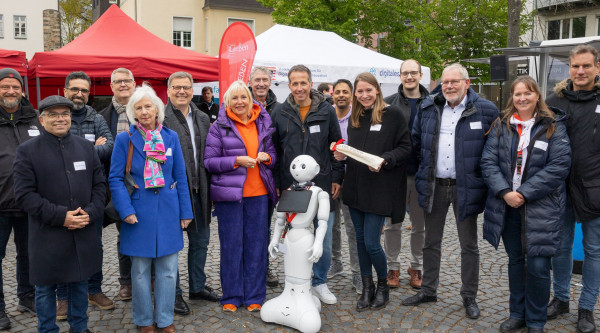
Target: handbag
110 213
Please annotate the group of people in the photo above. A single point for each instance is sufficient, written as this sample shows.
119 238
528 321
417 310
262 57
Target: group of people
532 168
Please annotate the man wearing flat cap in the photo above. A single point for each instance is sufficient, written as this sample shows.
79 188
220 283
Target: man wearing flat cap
18 123
59 182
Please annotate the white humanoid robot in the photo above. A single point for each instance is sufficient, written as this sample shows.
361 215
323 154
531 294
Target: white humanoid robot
296 306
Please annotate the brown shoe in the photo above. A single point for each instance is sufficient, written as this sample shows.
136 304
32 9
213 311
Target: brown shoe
393 278
100 300
148 329
125 292
168 329
61 310
415 278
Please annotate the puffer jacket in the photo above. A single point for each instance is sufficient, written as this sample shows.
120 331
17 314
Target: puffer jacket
583 127
11 136
292 137
470 137
223 144
542 184
93 127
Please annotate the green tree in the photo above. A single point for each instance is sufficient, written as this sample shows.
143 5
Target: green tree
75 18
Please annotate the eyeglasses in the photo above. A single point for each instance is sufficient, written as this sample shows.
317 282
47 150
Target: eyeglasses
6 88
451 82
76 90
124 81
54 115
413 74
177 88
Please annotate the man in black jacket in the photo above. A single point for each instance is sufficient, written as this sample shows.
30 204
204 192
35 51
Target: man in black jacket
408 98
88 124
306 124
579 96
208 105
191 125
18 123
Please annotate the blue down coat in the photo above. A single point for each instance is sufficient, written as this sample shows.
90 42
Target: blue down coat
543 184
470 137
159 210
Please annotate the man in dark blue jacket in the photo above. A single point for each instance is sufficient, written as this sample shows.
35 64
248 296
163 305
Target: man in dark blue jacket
448 136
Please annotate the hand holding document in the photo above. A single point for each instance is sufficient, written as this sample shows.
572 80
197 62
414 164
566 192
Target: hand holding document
371 160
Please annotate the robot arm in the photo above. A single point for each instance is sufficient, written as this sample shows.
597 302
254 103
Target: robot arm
323 217
279 225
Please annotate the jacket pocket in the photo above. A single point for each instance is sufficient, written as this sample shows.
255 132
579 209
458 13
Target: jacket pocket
591 192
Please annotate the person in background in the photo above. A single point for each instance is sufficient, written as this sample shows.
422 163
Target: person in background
327 90
208 104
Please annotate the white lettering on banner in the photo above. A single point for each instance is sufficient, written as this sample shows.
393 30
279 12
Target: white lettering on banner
233 48
243 68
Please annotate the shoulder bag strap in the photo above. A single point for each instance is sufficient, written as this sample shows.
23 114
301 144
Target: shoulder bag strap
129 156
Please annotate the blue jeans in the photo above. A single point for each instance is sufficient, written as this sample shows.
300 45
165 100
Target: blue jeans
197 249
94 281
165 270
562 262
243 238
45 304
528 277
368 242
321 267
19 225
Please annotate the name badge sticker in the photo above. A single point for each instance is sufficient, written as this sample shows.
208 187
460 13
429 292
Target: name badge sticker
282 248
541 145
169 152
376 128
597 108
315 129
213 116
79 165
33 132
90 137
475 125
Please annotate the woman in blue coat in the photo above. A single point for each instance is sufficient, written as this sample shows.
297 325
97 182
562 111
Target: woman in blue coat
525 162
156 212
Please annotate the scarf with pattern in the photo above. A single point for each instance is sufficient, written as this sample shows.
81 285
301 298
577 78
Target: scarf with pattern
155 156
122 121
524 131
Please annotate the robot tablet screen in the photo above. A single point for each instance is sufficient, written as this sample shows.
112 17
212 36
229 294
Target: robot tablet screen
294 201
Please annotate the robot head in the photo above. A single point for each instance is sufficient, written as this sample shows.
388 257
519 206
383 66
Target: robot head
304 168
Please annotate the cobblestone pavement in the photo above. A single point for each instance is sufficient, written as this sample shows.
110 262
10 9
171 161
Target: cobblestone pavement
447 315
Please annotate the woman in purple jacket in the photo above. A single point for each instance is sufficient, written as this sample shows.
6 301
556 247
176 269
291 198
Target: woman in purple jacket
240 154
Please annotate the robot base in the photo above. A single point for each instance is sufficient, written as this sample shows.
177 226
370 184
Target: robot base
296 307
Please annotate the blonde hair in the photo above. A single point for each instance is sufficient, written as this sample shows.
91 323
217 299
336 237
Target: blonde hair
358 109
235 87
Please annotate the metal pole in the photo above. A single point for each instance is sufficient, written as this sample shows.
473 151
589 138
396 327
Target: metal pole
543 70
37 89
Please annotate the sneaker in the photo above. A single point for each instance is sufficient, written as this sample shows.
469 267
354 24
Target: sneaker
4 321
254 307
357 283
336 268
323 293
272 279
100 300
61 309
27 303
229 308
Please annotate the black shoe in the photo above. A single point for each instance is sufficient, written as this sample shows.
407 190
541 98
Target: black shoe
511 324
535 330
27 303
181 307
418 299
4 321
368 291
207 294
382 295
86 331
272 280
557 307
471 307
585 321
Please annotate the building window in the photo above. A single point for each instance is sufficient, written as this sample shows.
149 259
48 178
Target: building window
567 28
182 31
248 22
20 26
1 26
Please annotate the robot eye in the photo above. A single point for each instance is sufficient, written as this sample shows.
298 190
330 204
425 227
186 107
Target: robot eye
294 166
303 166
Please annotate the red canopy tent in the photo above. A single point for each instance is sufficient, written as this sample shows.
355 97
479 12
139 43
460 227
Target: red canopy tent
15 60
113 41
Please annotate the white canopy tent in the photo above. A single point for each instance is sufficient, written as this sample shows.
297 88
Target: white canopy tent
329 57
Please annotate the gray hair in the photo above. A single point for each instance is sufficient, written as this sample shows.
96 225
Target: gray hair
179 75
458 67
235 87
121 70
261 69
145 90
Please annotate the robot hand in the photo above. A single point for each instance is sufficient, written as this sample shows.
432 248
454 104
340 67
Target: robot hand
317 252
273 250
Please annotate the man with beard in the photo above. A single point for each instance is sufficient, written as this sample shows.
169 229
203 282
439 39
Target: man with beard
448 138
18 123
88 124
